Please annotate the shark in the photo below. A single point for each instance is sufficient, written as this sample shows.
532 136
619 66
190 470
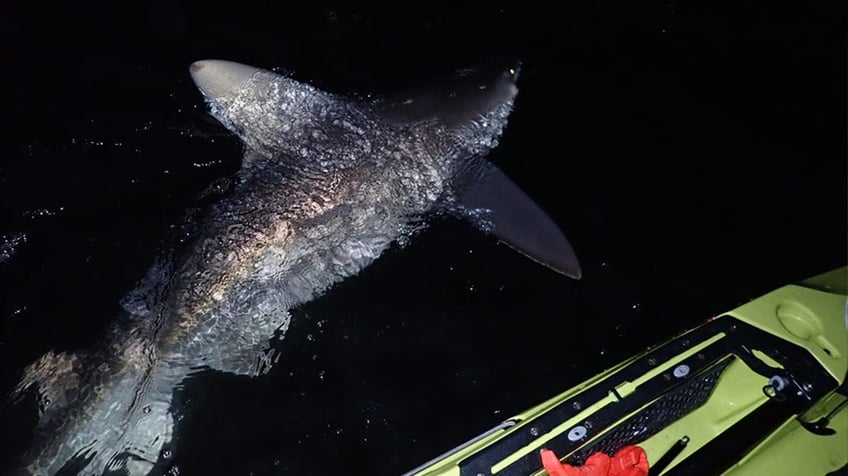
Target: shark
327 184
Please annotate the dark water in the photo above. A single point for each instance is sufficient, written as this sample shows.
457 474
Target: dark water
695 154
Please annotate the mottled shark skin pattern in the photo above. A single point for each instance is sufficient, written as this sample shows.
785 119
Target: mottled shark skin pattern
327 184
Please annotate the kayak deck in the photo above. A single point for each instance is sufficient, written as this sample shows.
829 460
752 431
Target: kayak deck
731 389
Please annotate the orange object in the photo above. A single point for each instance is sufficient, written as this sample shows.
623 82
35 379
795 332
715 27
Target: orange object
628 461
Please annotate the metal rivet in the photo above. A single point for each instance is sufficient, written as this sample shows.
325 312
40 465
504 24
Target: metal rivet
576 405
652 361
534 431
577 433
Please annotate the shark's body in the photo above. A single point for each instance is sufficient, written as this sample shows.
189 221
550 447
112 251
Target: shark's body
327 184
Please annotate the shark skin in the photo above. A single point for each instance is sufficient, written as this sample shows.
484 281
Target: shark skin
327 184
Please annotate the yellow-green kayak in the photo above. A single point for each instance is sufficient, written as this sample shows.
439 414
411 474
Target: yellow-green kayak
759 390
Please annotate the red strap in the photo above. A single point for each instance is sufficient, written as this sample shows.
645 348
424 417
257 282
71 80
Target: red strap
597 465
628 461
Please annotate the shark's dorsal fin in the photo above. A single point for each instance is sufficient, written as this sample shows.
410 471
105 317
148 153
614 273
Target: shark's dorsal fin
514 218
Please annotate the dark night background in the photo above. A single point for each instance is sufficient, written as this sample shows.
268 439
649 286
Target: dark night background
694 152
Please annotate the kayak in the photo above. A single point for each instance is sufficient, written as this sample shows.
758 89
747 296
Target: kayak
757 390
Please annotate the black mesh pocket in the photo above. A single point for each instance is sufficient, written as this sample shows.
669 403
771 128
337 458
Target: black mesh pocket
656 416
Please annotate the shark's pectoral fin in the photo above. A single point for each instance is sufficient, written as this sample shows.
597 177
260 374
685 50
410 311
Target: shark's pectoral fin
455 101
493 202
